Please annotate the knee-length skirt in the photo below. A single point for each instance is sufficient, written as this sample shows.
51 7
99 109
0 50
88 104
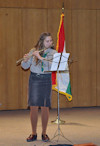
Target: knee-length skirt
40 86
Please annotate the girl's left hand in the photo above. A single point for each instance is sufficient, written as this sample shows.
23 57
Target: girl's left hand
36 53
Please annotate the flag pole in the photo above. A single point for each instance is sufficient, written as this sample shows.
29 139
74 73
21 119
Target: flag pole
63 8
58 120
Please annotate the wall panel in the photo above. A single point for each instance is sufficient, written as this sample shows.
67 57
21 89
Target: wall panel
23 3
10 45
51 4
98 58
3 80
84 50
58 4
85 4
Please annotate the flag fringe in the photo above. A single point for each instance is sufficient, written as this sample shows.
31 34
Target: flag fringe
68 96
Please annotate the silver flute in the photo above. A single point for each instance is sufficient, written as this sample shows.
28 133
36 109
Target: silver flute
20 60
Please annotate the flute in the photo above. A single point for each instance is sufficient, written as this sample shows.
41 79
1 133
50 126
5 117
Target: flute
20 60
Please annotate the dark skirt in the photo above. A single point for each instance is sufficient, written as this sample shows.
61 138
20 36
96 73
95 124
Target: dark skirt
40 90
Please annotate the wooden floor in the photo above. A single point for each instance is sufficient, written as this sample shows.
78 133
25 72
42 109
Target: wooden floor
82 126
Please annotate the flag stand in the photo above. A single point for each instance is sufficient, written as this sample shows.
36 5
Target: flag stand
58 121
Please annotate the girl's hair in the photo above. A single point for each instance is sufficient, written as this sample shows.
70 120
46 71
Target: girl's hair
40 43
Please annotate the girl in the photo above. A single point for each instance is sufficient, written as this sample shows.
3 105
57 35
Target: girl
40 83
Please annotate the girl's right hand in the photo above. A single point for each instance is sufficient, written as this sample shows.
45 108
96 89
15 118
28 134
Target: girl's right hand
26 57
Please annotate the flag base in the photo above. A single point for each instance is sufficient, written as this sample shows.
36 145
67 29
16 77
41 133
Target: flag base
58 121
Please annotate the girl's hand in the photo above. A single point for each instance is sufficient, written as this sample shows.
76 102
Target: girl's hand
36 53
26 57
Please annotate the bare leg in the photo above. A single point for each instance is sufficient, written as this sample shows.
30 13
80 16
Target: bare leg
44 117
34 118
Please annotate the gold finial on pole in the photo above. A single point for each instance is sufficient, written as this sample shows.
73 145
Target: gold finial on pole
63 7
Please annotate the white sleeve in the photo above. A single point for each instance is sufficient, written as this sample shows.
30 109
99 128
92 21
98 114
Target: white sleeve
26 65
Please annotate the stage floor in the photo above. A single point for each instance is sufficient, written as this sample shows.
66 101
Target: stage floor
82 126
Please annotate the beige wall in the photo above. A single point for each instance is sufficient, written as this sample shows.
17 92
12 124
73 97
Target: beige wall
21 23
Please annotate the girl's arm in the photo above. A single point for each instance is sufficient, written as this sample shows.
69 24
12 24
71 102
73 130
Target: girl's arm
25 64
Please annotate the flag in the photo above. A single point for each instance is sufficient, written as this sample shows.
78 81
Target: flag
64 77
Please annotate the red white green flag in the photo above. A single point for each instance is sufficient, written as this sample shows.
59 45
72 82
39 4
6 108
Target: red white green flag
64 78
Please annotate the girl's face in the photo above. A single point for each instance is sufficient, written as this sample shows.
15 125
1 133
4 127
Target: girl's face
48 42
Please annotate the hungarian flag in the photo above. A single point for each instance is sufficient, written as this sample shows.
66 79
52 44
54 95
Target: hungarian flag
64 78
